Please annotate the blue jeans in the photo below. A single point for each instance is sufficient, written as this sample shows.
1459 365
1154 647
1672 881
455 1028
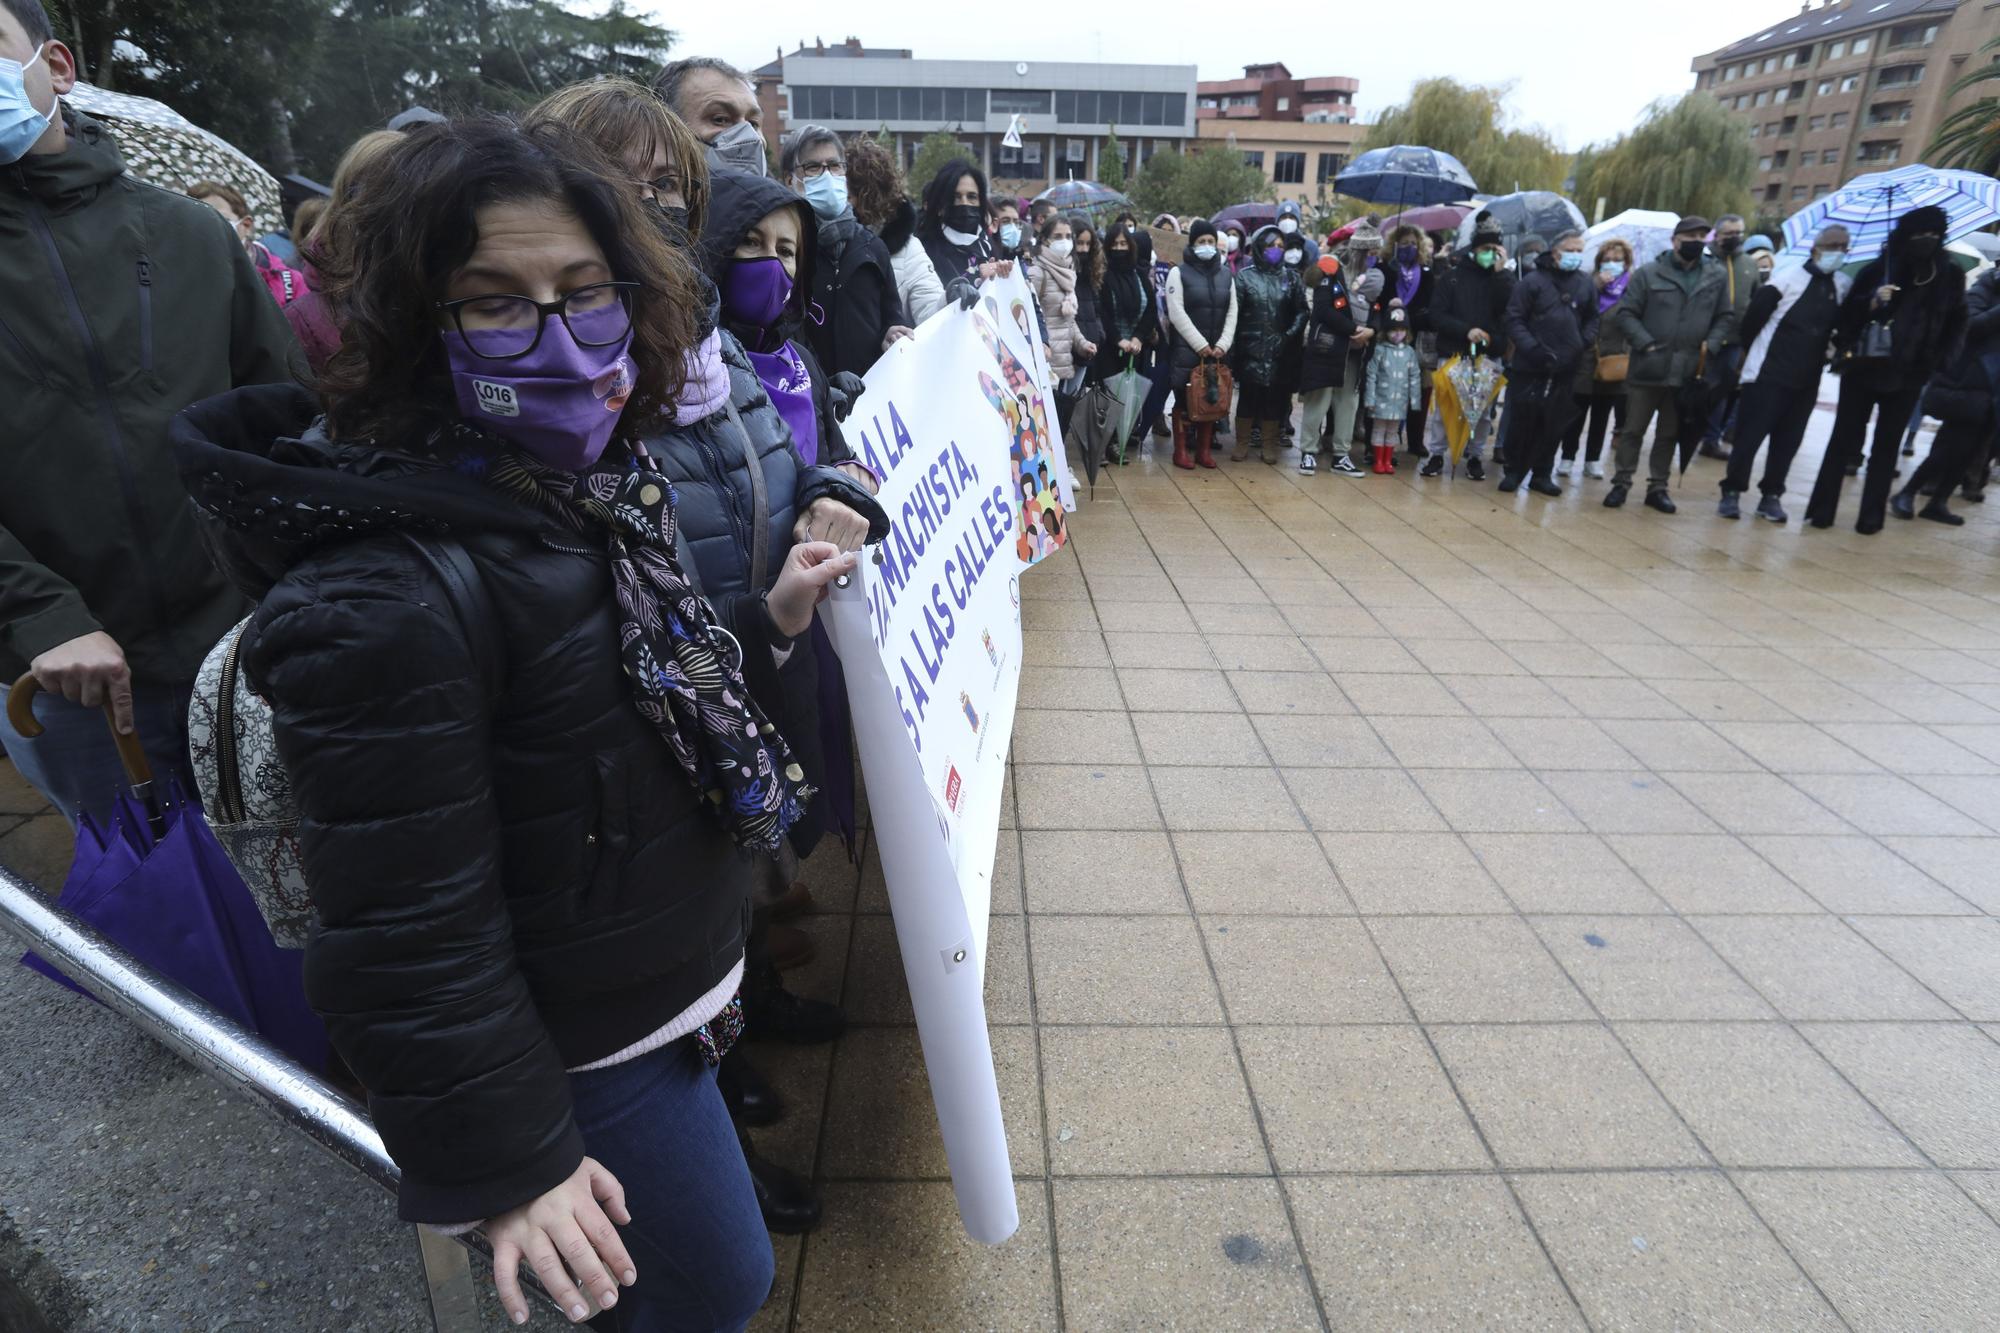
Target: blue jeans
74 762
697 1239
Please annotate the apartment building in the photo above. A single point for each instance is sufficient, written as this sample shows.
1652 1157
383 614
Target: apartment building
1299 132
1845 87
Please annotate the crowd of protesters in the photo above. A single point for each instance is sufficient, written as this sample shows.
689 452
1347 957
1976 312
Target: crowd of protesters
598 357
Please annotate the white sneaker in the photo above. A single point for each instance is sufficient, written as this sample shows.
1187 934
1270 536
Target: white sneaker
1594 470
1563 465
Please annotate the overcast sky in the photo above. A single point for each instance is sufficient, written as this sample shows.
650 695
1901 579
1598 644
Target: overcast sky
1581 73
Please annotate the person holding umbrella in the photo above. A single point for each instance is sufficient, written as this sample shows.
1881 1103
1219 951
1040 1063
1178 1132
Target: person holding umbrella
1902 318
1468 312
1785 331
1962 397
1675 314
1552 320
119 306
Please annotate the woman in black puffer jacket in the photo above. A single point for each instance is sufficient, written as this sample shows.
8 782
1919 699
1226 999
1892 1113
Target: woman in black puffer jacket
525 754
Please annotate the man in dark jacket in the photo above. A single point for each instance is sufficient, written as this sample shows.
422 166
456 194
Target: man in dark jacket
1468 312
1551 320
120 304
1675 312
854 282
1962 397
1784 334
1741 280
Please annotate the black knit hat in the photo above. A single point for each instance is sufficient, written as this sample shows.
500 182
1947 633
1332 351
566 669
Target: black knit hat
1202 227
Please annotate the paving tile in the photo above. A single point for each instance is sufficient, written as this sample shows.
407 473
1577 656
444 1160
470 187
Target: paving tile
1394 873
1559 742
1220 619
1179 1254
1891 1250
1279 873
1144 617
1647 967
1064 648
1426 1252
1198 738
1494 697
1475 969
894 1255
1107 969
1710 873
1304 693
1071 687
1758 1095
1495 801
1858 876
1224 798
1631 801
1072 736
1562 872
1564 659
1562 1096
1681 746
1976 796
1007 971
881 1122
1357 1099
1817 968
1463 657
1084 796
1154 691
1796 747
1147 1101
1390 695
1330 621
1884 804
39 850
1938 1082
1755 803
1315 741
1131 873
1608 698
1963 865
1957 957
1366 799
1443 742
1668 1250
1906 749
1300 970
1262 652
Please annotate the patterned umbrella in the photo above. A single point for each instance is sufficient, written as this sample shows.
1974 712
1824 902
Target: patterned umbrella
1085 196
1525 213
1406 176
165 148
1868 207
1649 231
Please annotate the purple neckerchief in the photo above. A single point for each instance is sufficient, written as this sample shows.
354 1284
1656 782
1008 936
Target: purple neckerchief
790 385
1407 282
1608 295
707 389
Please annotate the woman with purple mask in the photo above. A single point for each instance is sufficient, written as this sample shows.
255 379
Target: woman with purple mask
1406 277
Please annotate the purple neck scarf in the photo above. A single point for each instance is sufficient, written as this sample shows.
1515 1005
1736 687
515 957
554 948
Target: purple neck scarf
1607 295
707 389
1407 282
790 385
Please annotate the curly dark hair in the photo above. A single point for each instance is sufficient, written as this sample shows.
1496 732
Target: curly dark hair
1089 267
874 182
406 242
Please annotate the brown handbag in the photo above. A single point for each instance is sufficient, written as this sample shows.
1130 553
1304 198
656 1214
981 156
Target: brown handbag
1611 369
1210 388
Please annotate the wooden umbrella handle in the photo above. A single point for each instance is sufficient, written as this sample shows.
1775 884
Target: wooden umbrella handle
21 715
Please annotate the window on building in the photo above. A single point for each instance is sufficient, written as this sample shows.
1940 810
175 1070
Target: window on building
1889 113
1254 159
1838 120
1779 158
1770 64
1289 168
1076 154
1020 102
933 105
1825 87
1761 99
1821 191
1850 83
1835 50
1790 127
1900 76
1816 123
1284 104
1798 193
1771 192
1861 45
1778 97
1729 75
1756 130
1330 165
1880 151
1764 163
1770 127
1791 59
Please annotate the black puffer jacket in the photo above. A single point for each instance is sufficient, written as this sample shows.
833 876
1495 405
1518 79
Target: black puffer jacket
1270 317
855 286
1329 326
1469 297
1551 318
1963 391
512 874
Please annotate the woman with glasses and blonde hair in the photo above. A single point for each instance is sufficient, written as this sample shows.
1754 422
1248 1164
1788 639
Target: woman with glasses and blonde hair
527 749
658 153
1599 402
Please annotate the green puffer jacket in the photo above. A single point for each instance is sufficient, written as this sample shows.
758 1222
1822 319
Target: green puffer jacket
120 304
1670 315
1271 309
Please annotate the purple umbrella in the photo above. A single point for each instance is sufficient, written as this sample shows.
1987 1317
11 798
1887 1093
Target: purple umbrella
156 883
1247 216
1439 217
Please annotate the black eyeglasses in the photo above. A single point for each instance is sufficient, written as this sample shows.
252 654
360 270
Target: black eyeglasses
500 328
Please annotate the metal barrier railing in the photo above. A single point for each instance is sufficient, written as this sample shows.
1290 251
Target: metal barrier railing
252 1068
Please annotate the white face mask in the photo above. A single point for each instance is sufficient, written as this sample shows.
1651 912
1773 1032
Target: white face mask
1230 241
1829 261
1060 249
1295 257
1288 225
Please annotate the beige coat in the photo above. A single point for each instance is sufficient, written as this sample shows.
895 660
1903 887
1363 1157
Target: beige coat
1055 288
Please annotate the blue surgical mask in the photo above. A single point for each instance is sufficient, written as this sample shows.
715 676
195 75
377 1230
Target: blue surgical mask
1614 267
1829 261
1204 252
1010 235
20 123
1569 261
827 193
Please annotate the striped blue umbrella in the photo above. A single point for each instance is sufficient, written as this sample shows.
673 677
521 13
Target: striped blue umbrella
1868 207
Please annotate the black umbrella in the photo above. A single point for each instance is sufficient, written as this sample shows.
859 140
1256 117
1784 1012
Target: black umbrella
1542 213
1692 402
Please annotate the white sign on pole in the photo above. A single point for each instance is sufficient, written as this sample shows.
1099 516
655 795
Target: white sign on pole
1012 138
960 423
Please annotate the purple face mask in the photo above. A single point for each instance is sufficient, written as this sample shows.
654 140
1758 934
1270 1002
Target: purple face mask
560 402
1273 253
754 291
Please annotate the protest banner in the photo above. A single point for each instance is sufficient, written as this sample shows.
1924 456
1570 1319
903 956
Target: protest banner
959 423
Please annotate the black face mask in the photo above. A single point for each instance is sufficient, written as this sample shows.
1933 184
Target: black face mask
672 220
1731 244
1121 260
965 217
1923 247
1688 250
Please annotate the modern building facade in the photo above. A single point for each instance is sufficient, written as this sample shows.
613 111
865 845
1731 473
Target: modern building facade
1065 109
1269 92
1299 132
1846 87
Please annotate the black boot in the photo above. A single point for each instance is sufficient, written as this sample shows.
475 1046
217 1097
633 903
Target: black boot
1902 506
785 1198
751 1100
772 1013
